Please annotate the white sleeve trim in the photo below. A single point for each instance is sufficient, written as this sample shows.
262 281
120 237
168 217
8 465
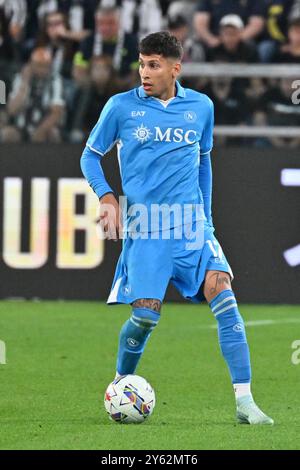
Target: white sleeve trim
106 151
205 153
94 150
111 146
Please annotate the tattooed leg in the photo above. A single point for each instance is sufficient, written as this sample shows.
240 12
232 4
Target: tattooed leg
153 304
215 282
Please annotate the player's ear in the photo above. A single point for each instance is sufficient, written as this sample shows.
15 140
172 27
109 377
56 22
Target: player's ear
176 69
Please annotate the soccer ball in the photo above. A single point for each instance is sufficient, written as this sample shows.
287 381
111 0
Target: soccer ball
129 399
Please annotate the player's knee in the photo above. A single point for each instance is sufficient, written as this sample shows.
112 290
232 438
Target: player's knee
151 304
145 319
215 282
145 315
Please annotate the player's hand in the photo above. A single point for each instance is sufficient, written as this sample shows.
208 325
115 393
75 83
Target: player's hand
109 217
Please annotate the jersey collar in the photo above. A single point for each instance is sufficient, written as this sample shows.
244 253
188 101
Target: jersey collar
180 91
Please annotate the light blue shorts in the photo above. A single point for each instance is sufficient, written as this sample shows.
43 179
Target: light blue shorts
146 266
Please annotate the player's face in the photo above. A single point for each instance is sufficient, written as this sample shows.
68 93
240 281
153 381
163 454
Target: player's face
158 75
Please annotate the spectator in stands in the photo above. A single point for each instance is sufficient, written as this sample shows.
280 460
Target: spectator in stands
193 50
59 39
35 106
15 13
255 93
12 19
185 8
110 40
279 110
290 52
79 15
278 14
229 102
89 100
141 17
7 50
210 13
232 48
31 29
105 60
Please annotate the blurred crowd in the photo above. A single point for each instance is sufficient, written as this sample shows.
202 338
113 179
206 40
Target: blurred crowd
61 60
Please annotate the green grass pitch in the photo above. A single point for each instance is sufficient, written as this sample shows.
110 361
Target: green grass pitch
60 356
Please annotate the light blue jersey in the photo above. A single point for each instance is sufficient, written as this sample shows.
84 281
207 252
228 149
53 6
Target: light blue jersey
164 157
159 145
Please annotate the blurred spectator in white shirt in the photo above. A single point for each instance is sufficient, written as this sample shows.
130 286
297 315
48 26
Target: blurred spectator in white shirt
35 106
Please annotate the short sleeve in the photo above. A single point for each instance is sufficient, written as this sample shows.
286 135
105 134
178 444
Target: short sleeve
206 143
106 132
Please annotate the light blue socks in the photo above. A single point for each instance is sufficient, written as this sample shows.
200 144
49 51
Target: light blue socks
232 336
133 338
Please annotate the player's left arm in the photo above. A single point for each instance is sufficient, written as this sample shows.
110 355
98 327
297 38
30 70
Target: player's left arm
102 138
205 169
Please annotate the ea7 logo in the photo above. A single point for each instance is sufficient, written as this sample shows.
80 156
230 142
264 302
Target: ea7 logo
138 113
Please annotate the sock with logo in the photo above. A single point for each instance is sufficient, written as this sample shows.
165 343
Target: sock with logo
133 338
232 337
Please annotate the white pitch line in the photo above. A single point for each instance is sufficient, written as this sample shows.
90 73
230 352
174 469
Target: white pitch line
272 322
260 323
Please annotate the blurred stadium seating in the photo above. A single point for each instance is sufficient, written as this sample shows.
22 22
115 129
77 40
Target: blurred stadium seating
60 61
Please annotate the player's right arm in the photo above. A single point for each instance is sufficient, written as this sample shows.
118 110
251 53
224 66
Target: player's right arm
101 140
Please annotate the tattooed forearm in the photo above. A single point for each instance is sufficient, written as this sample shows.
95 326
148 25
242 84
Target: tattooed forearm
153 304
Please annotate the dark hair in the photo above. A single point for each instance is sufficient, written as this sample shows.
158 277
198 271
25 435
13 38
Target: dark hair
42 36
161 43
177 22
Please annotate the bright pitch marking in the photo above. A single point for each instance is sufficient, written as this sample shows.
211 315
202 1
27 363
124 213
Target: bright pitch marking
258 323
